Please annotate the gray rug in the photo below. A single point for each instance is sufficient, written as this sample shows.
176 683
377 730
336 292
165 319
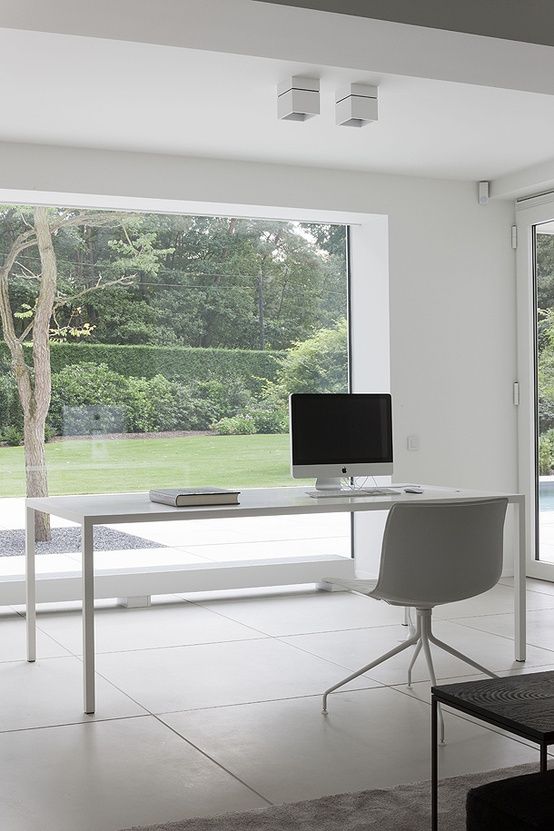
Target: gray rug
68 541
403 808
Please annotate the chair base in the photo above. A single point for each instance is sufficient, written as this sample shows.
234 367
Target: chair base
421 639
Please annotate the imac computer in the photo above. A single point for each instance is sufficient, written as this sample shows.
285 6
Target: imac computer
334 436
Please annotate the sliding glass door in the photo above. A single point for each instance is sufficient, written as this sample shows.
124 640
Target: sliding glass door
536 377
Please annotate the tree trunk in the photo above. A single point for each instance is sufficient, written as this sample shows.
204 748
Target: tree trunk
35 470
36 412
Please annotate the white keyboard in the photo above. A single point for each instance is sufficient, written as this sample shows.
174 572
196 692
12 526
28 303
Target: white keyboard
354 492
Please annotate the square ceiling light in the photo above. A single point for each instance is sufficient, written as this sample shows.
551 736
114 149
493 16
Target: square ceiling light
298 98
356 105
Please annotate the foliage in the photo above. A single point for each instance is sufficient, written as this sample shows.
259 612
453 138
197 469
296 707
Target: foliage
11 414
185 280
12 436
90 399
269 418
239 425
318 364
546 453
185 364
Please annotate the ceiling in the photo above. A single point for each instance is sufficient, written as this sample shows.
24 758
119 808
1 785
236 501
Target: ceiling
532 22
90 92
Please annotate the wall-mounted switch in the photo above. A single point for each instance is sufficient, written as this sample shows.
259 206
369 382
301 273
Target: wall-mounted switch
412 442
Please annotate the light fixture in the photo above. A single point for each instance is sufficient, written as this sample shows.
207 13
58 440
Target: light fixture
356 105
298 98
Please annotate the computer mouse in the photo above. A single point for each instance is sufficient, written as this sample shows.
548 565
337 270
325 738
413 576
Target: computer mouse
413 489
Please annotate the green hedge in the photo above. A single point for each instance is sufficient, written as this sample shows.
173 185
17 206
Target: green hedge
178 363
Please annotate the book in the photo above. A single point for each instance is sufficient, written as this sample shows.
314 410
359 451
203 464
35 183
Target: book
183 497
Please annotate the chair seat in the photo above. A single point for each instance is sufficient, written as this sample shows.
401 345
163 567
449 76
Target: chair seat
522 803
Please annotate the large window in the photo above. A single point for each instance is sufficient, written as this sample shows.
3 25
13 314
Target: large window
148 350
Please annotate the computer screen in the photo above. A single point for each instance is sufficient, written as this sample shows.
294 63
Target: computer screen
341 434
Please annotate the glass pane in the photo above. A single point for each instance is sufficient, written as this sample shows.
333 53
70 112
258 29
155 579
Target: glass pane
159 351
544 272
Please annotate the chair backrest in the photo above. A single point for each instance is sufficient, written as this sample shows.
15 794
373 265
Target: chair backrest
440 553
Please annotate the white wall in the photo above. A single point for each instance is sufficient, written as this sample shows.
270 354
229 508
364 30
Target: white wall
452 282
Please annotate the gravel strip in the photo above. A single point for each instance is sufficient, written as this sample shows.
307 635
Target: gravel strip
68 541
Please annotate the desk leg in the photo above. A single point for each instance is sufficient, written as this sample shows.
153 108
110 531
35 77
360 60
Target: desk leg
30 585
434 765
520 563
87 549
544 757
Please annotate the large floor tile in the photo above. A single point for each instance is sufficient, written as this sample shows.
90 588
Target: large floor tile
499 600
109 775
214 675
13 642
422 689
310 612
533 585
375 738
160 625
360 646
50 692
540 626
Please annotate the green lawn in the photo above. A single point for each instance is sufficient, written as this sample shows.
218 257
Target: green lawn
94 466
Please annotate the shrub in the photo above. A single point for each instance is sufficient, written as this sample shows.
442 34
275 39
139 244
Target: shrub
239 425
269 419
89 398
12 436
223 398
185 364
318 364
76 388
11 414
546 453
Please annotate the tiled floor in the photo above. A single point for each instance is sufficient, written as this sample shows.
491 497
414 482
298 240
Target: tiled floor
209 704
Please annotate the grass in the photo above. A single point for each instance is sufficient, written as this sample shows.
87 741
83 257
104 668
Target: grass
97 465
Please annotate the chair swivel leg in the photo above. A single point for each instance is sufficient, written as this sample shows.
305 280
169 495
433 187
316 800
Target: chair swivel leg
417 650
424 621
408 621
400 648
461 656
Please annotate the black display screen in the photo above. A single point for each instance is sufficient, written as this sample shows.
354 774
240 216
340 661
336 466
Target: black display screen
341 429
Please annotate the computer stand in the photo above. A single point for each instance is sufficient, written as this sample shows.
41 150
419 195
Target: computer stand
328 484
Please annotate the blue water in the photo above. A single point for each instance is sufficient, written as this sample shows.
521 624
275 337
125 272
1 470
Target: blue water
546 496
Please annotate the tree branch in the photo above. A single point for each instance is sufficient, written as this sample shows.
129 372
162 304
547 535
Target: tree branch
95 218
126 280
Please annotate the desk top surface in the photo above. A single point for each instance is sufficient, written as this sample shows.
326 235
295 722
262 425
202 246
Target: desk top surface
522 703
136 507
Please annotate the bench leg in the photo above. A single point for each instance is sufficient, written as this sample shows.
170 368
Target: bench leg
434 764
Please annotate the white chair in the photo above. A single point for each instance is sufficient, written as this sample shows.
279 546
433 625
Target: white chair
433 554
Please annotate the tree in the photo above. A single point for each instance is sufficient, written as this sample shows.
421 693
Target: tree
318 364
34 381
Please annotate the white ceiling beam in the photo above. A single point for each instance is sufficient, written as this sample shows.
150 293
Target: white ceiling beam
302 36
536 179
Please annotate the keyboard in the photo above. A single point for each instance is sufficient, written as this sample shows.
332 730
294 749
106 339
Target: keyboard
354 492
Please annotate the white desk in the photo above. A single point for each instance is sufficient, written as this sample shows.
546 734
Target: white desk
110 509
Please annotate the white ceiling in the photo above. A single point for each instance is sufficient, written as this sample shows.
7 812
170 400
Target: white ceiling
77 91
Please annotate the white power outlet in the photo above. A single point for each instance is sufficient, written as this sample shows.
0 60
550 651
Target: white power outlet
412 442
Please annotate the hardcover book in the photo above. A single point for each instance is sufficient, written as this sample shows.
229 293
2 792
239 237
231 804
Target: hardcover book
183 497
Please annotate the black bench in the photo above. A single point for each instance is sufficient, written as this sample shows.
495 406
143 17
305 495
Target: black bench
522 803
520 704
